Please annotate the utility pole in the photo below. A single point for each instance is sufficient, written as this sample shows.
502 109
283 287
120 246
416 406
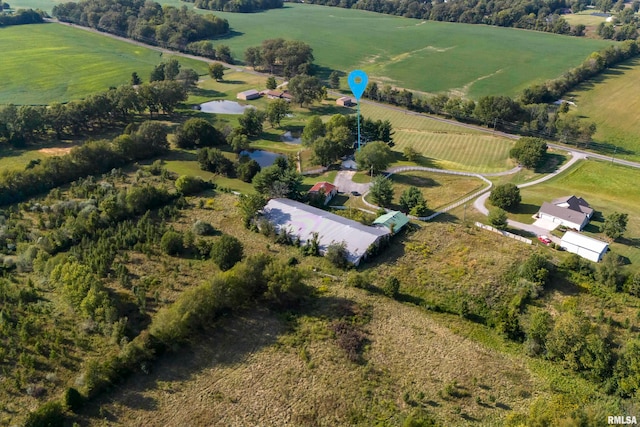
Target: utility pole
614 153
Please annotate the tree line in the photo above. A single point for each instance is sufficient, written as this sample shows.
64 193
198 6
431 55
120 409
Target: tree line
527 14
24 124
239 6
21 17
529 114
142 20
148 140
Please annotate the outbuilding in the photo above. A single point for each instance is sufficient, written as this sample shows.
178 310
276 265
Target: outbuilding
323 190
304 222
586 247
248 95
393 221
345 101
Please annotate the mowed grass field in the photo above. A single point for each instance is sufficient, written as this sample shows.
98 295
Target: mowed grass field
49 62
473 60
444 145
611 101
438 189
608 188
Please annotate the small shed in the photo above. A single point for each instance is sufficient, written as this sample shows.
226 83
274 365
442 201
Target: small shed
586 247
248 95
345 101
323 190
393 220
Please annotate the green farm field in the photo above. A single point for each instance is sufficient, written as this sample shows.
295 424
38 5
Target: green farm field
607 188
444 145
472 60
47 63
611 101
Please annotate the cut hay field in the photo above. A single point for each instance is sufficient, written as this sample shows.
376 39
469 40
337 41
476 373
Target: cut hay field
49 62
444 145
611 101
472 60
608 188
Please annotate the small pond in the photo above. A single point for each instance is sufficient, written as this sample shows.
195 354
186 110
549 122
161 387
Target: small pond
290 139
264 158
223 107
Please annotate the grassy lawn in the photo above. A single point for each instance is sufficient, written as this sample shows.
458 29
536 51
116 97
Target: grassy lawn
439 190
607 187
609 100
34 72
444 145
473 60
17 159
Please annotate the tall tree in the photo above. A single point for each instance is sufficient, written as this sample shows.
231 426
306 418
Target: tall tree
306 89
277 110
271 83
615 225
223 52
216 71
374 157
505 196
381 191
334 80
313 130
251 121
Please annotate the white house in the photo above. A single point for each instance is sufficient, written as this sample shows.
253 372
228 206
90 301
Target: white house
571 211
302 221
587 247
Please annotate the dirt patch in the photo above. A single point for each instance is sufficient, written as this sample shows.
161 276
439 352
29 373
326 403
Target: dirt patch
55 151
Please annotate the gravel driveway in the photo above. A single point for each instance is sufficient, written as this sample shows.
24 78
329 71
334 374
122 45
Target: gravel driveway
345 184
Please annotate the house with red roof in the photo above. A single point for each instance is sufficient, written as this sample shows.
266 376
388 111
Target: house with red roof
323 190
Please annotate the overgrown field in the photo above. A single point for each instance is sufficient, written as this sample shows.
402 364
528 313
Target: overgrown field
443 145
610 101
47 63
472 60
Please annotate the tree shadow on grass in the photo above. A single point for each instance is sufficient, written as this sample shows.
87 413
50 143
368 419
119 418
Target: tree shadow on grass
552 163
526 208
207 93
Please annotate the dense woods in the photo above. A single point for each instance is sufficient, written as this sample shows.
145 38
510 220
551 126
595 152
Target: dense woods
145 21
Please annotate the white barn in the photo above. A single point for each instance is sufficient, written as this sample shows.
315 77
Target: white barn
302 220
587 247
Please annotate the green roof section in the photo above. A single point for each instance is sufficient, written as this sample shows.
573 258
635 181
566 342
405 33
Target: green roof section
393 220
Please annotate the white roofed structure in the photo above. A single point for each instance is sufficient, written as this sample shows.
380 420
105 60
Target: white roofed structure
302 220
587 247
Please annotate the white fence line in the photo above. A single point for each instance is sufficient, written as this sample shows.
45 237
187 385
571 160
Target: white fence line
504 233
426 169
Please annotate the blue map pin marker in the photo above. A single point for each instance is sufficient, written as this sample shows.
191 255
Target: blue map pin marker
358 83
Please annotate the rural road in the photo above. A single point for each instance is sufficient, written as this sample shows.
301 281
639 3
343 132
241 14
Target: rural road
343 179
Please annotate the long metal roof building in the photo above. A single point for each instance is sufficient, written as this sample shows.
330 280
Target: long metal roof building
302 220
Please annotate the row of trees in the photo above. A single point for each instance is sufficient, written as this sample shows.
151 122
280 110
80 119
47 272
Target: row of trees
411 201
532 15
240 6
19 125
149 140
143 20
21 17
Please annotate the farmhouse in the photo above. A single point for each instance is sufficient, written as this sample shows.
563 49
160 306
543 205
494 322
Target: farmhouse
393 221
586 247
571 211
248 95
323 190
303 220
345 101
